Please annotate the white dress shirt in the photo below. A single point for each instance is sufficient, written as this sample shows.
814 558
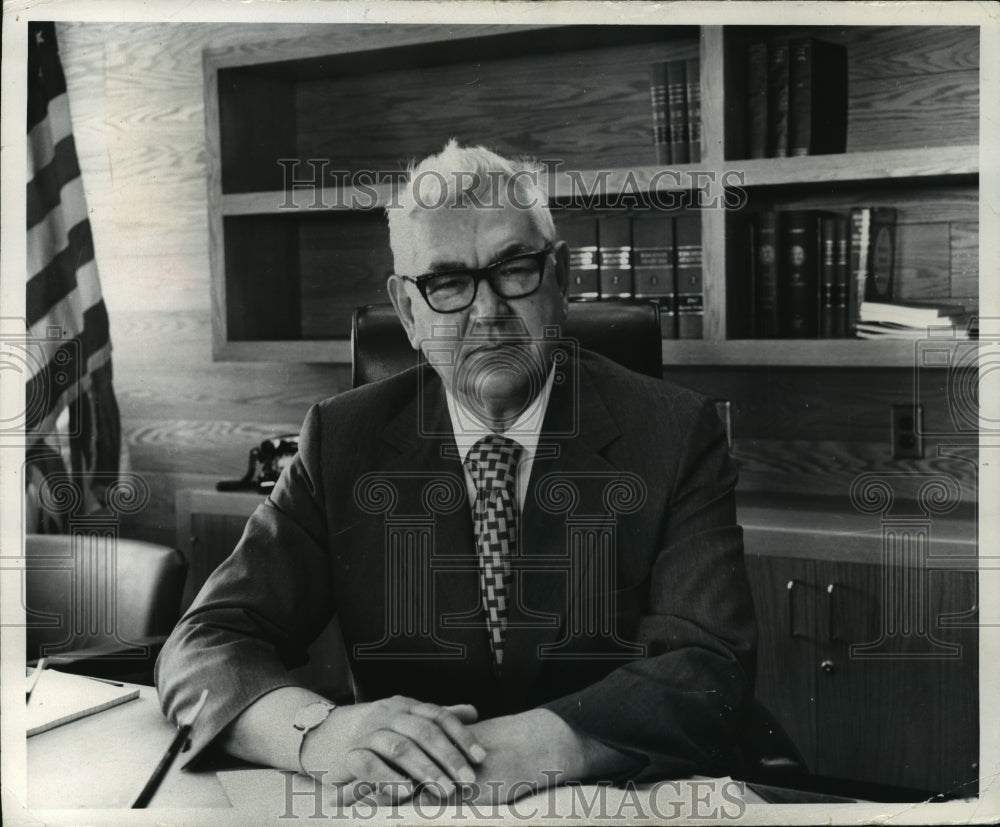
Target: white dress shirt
469 429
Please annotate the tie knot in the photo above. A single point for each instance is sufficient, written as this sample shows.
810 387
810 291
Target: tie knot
492 461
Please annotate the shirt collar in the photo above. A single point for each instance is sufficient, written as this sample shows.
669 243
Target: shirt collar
469 429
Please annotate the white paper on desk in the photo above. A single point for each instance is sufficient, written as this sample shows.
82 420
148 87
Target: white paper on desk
267 793
59 698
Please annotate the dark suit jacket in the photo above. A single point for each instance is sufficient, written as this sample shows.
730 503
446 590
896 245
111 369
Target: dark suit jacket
629 569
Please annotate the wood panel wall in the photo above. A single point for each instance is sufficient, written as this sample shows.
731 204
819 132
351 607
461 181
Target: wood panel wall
136 93
137 101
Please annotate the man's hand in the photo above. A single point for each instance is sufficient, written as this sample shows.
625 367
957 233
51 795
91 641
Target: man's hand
536 749
395 745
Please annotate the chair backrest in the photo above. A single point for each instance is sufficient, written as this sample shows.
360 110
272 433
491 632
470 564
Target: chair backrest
626 332
68 589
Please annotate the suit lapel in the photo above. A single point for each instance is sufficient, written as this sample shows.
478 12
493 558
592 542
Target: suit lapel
431 483
568 462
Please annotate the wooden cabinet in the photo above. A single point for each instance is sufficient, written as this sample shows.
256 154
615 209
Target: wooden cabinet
209 525
304 146
871 666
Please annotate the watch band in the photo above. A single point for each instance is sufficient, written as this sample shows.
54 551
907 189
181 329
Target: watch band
306 720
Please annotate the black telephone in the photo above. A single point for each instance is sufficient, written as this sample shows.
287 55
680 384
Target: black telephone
265 465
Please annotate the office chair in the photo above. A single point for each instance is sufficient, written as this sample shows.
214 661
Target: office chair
86 620
626 332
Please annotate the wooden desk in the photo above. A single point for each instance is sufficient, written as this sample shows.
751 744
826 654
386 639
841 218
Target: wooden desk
104 759
101 762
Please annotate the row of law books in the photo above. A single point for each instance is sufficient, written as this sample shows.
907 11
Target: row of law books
675 92
812 270
796 98
657 257
916 320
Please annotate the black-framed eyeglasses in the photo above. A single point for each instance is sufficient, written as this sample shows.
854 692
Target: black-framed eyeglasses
514 277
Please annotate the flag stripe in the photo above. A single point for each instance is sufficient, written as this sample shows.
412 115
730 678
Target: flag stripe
44 136
44 70
49 235
44 191
58 279
67 354
64 371
67 315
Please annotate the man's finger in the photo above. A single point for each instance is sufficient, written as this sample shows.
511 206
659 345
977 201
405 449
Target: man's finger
466 713
409 758
454 727
437 744
375 778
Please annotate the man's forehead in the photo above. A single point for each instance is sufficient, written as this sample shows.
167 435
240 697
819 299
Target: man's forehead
467 237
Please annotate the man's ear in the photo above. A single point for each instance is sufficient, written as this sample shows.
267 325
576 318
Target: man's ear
403 305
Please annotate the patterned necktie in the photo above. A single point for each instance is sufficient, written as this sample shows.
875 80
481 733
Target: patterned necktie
492 462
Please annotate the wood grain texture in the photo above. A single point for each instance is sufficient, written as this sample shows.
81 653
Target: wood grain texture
870 705
875 163
807 403
964 246
785 676
923 261
587 109
345 261
138 103
823 468
793 353
919 111
916 202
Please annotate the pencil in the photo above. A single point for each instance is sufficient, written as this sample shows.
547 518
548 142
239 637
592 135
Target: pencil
149 789
34 679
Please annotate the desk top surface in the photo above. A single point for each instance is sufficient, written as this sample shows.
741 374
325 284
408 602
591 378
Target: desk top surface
112 754
102 761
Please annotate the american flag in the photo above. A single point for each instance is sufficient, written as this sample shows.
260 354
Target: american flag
72 411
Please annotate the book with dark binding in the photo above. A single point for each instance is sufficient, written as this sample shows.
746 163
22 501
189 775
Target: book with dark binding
777 99
757 99
653 266
841 275
817 104
881 254
765 286
677 111
580 233
798 274
689 277
658 101
872 251
827 278
692 71
614 234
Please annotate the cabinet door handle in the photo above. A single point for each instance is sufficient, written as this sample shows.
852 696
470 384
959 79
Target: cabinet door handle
831 635
791 609
828 666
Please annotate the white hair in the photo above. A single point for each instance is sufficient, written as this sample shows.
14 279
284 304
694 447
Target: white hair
467 177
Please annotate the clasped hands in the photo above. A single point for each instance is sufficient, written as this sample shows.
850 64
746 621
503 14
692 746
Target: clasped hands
393 749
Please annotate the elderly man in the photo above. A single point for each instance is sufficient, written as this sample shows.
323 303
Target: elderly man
541 659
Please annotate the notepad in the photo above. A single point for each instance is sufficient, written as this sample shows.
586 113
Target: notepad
59 698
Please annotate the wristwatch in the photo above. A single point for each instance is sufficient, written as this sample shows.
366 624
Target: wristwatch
307 719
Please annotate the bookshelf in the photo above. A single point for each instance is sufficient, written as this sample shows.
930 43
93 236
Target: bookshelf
288 265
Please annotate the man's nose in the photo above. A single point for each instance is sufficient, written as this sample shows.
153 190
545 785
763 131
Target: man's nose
488 303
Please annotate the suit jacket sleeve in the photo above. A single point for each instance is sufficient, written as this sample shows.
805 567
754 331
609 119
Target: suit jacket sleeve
677 709
254 617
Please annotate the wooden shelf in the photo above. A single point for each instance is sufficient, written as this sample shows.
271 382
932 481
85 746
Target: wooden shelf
855 166
847 353
860 166
299 351
288 267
